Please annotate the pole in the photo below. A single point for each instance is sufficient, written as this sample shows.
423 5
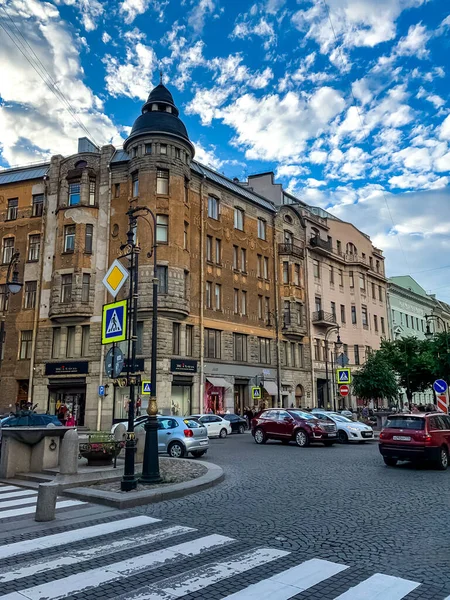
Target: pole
333 364
326 371
2 334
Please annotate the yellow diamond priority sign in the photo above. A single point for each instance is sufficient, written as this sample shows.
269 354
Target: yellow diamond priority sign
115 277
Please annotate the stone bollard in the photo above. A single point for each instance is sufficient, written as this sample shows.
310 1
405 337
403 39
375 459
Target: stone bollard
68 457
46 502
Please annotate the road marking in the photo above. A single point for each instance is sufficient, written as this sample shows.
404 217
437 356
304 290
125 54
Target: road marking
17 501
41 563
9 488
380 587
79 582
197 579
17 494
291 582
67 537
26 510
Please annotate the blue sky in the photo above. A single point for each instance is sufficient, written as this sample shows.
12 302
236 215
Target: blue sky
347 101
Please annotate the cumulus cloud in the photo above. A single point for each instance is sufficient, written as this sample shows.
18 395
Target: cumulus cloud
414 44
207 156
131 77
132 8
200 10
261 28
90 10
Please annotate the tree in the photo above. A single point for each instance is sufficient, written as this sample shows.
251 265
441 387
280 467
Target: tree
375 380
439 356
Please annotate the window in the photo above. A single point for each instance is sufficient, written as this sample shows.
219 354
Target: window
30 294
56 342
212 339
208 298
285 356
186 236
34 248
341 277
285 272
331 275
382 325
333 310
66 288
70 342
365 320
243 260
92 192
287 313
288 238
239 219
296 274
339 247
176 330
267 308
299 313
26 338
293 355
88 239
189 341
209 248
162 273
4 295
316 269
8 250
371 262
407 320
163 148
213 208
244 303
375 323
353 314
218 296
264 351
235 258
368 351
186 190
162 182
86 287
377 266
373 291
362 282
85 339
186 284
266 268
236 301
69 238
13 204
342 313
177 150
380 293
412 322
116 190
162 229
148 148
74 194
218 251
318 303
259 272
356 351
38 205
135 185
345 349
316 349
352 279
239 347
262 225
134 152
260 307
300 355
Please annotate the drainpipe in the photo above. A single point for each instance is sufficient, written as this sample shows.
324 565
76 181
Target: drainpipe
202 293
277 313
310 325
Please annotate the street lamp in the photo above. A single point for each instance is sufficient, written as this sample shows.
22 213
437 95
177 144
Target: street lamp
429 334
274 314
338 345
13 286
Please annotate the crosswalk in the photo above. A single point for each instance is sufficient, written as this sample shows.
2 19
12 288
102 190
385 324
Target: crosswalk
153 560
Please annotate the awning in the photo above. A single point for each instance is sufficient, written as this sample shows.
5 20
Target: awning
271 388
218 382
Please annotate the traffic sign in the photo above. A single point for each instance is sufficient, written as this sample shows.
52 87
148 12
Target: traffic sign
115 277
146 388
256 393
114 362
441 402
101 390
344 390
114 322
342 360
440 386
343 376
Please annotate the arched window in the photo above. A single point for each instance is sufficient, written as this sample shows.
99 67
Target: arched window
299 392
81 164
351 248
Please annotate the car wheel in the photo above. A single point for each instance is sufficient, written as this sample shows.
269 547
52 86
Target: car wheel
442 462
390 462
260 436
176 450
198 453
241 429
223 433
342 437
302 438
328 444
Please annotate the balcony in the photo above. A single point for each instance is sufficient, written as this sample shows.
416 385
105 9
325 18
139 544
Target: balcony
291 329
352 258
318 242
323 319
291 249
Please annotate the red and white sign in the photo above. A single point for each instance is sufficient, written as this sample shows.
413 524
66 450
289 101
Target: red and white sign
344 390
441 401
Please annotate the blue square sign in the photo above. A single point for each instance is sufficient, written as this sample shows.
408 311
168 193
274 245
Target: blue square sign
114 322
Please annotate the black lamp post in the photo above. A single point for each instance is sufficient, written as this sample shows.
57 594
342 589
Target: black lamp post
13 286
338 345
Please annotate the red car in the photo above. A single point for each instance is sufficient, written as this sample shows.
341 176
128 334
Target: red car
293 425
416 437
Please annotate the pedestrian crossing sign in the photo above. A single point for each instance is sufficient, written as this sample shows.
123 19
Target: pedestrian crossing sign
114 322
146 389
343 376
256 393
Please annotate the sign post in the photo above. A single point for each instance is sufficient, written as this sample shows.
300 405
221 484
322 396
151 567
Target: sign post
344 390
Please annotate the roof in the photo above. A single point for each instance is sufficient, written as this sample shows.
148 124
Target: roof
408 283
120 156
159 122
23 173
161 94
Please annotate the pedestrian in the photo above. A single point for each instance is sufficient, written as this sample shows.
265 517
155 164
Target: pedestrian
62 413
70 422
415 410
365 412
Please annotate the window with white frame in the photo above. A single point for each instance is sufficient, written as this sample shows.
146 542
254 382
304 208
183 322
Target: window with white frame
264 351
213 207
66 288
74 193
135 184
162 229
92 192
69 238
34 247
262 227
239 219
162 182
217 296
8 250
38 205
239 347
243 303
26 339
13 205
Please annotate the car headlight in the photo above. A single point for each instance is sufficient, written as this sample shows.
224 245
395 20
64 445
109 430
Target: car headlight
356 429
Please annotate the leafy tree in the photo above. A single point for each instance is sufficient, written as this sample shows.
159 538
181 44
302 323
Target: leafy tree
375 380
439 356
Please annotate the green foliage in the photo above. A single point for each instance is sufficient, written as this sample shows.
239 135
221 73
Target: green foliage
375 380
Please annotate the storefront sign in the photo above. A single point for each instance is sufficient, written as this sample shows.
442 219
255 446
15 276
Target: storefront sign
183 366
67 368
138 365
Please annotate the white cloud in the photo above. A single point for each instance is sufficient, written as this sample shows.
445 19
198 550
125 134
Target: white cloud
207 157
206 103
262 28
442 164
318 157
197 17
436 100
91 11
106 38
290 170
133 77
414 44
444 130
132 8
315 183
412 181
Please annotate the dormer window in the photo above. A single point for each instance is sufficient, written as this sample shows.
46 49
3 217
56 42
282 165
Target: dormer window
168 109
163 149
134 152
154 107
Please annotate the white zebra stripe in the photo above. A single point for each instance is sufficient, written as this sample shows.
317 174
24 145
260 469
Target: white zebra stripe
26 510
380 587
16 502
9 488
17 494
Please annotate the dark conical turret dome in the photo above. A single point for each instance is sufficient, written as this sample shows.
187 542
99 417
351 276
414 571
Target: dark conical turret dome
159 116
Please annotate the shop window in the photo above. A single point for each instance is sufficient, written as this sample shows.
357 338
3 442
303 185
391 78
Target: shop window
74 194
69 238
212 339
162 229
34 248
30 294
162 273
239 347
162 182
38 205
13 207
26 340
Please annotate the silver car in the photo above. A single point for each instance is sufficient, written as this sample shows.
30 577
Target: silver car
178 437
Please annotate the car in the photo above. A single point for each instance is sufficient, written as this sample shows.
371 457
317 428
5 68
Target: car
137 421
347 429
238 423
31 420
180 436
416 437
216 426
293 425
346 413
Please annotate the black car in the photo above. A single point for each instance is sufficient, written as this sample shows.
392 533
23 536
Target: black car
238 424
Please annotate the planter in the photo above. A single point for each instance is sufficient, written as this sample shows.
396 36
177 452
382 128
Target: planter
101 449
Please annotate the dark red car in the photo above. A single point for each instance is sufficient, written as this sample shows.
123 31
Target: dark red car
293 425
416 437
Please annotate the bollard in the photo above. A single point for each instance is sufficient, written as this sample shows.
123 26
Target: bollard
46 502
68 456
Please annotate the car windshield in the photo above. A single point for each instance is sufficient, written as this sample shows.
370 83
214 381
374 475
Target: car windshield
302 415
405 422
191 423
341 418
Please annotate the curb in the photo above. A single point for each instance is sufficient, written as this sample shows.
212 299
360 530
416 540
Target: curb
213 476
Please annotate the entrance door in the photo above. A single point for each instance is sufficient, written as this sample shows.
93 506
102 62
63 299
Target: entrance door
181 400
239 398
74 399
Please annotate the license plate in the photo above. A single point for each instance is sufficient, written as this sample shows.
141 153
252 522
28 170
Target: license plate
331 435
205 443
401 438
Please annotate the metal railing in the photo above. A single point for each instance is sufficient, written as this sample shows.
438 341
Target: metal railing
326 317
292 249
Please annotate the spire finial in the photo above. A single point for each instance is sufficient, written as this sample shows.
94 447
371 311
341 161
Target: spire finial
160 75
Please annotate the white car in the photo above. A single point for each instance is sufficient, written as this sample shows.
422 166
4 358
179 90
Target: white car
215 425
348 430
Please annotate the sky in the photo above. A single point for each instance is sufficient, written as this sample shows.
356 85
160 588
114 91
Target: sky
346 101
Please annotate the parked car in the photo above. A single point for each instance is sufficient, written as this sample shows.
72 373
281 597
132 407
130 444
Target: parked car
416 437
216 426
137 421
293 425
238 423
179 436
31 420
347 430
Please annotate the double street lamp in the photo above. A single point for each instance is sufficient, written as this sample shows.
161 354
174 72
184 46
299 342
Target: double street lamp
13 286
337 346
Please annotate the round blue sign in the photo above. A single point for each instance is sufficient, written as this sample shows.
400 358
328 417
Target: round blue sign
440 386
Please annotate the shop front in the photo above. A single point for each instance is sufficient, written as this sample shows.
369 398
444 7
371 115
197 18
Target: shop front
182 383
66 392
215 388
241 395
